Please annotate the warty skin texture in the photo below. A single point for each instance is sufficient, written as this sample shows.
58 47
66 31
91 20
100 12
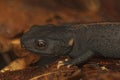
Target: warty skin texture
101 39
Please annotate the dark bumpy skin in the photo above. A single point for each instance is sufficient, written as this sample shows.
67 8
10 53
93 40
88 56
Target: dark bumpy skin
88 40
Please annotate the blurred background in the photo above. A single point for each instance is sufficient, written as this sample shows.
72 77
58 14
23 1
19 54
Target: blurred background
17 16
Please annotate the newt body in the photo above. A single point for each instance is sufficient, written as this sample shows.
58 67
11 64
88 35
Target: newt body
78 41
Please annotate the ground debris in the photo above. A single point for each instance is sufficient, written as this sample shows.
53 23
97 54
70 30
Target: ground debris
36 73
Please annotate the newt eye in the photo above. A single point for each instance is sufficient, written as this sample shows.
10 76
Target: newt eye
41 44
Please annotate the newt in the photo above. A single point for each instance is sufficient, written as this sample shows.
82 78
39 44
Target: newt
80 42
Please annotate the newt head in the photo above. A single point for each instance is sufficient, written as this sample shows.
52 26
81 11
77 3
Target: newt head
46 40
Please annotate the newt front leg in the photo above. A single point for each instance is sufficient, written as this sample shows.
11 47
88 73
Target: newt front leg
81 59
